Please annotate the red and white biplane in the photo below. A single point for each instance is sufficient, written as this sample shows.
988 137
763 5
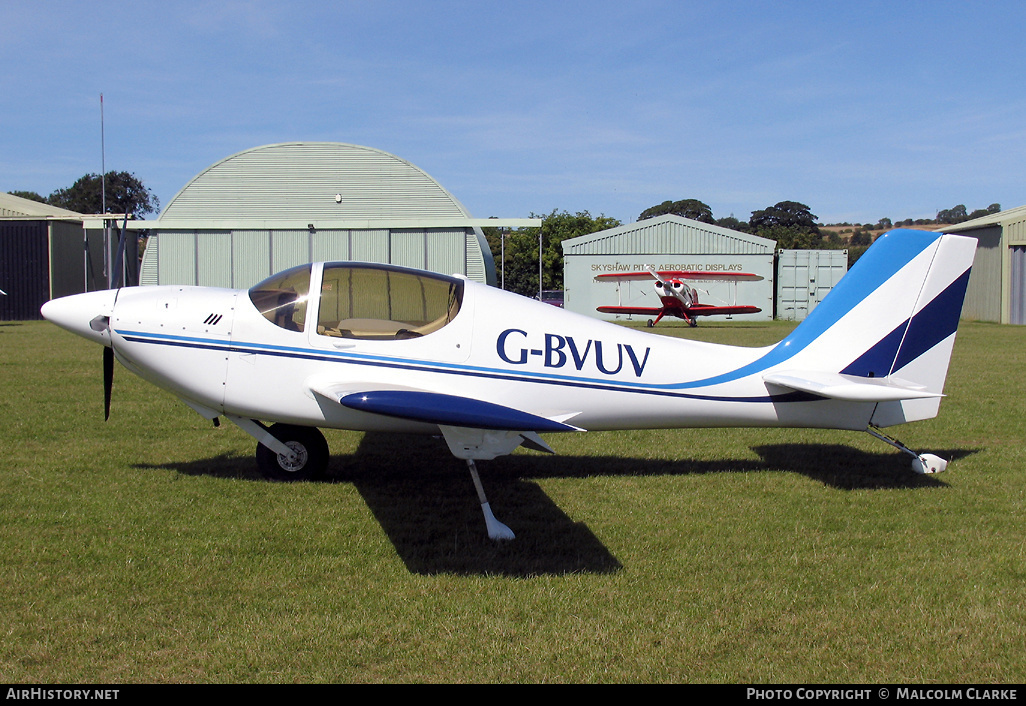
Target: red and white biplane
679 298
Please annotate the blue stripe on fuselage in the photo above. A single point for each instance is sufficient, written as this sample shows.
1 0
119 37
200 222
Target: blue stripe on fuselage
667 390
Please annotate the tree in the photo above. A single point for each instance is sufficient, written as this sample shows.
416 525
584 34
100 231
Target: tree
125 194
786 214
791 224
521 266
981 212
686 208
791 239
953 215
30 195
861 237
733 224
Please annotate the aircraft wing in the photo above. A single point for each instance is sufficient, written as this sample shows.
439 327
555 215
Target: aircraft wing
449 410
664 275
641 310
473 428
693 310
438 408
713 310
849 387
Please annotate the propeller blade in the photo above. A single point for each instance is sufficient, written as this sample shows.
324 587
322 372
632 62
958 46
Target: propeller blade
108 380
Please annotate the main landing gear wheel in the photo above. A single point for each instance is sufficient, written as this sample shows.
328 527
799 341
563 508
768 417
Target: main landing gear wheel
311 454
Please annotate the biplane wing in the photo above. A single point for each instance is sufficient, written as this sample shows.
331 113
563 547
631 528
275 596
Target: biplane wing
678 298
694 310
628 310
713 310
665 275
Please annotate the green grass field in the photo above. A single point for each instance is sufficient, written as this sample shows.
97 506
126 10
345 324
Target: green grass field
148 549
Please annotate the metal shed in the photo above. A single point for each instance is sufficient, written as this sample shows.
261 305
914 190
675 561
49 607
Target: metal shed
268 208
804 278
997 286
44 253
666 243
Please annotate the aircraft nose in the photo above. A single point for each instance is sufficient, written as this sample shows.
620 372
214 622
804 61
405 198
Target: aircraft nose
86 315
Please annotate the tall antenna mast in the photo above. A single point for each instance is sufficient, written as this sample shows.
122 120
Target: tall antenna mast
103 163
103 199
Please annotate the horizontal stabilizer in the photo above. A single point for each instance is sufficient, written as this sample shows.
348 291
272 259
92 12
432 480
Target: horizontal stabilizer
450 410
849 387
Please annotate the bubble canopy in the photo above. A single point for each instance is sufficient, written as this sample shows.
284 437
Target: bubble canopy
359 300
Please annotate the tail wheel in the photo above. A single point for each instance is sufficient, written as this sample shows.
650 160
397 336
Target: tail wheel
311 454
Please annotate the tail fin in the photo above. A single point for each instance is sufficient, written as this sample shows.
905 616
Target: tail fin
886 331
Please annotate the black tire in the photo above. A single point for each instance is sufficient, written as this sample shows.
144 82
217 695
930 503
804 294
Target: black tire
307 442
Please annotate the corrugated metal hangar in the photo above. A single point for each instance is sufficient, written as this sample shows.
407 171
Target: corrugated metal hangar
268 208
666 243
997 286
42 256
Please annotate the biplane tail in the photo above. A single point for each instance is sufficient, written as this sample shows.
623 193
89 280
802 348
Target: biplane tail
885 333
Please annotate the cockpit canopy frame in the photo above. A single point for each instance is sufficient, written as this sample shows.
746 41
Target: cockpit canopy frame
359 300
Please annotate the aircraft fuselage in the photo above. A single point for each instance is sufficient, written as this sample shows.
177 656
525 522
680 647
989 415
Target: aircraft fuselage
215 350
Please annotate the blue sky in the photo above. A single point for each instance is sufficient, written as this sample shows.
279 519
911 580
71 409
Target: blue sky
860 110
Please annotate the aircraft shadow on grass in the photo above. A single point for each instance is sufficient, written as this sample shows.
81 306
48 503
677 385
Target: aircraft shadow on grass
425 501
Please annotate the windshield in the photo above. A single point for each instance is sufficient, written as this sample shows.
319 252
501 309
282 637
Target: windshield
385 303
282 298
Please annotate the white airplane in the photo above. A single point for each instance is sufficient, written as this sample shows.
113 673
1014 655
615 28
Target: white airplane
382 348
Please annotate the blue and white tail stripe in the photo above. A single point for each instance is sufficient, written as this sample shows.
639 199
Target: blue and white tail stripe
887 335
903 297
914 336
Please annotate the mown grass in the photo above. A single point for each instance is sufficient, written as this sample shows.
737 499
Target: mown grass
148 549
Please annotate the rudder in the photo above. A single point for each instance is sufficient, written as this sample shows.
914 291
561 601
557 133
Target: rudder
926 340
885 333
